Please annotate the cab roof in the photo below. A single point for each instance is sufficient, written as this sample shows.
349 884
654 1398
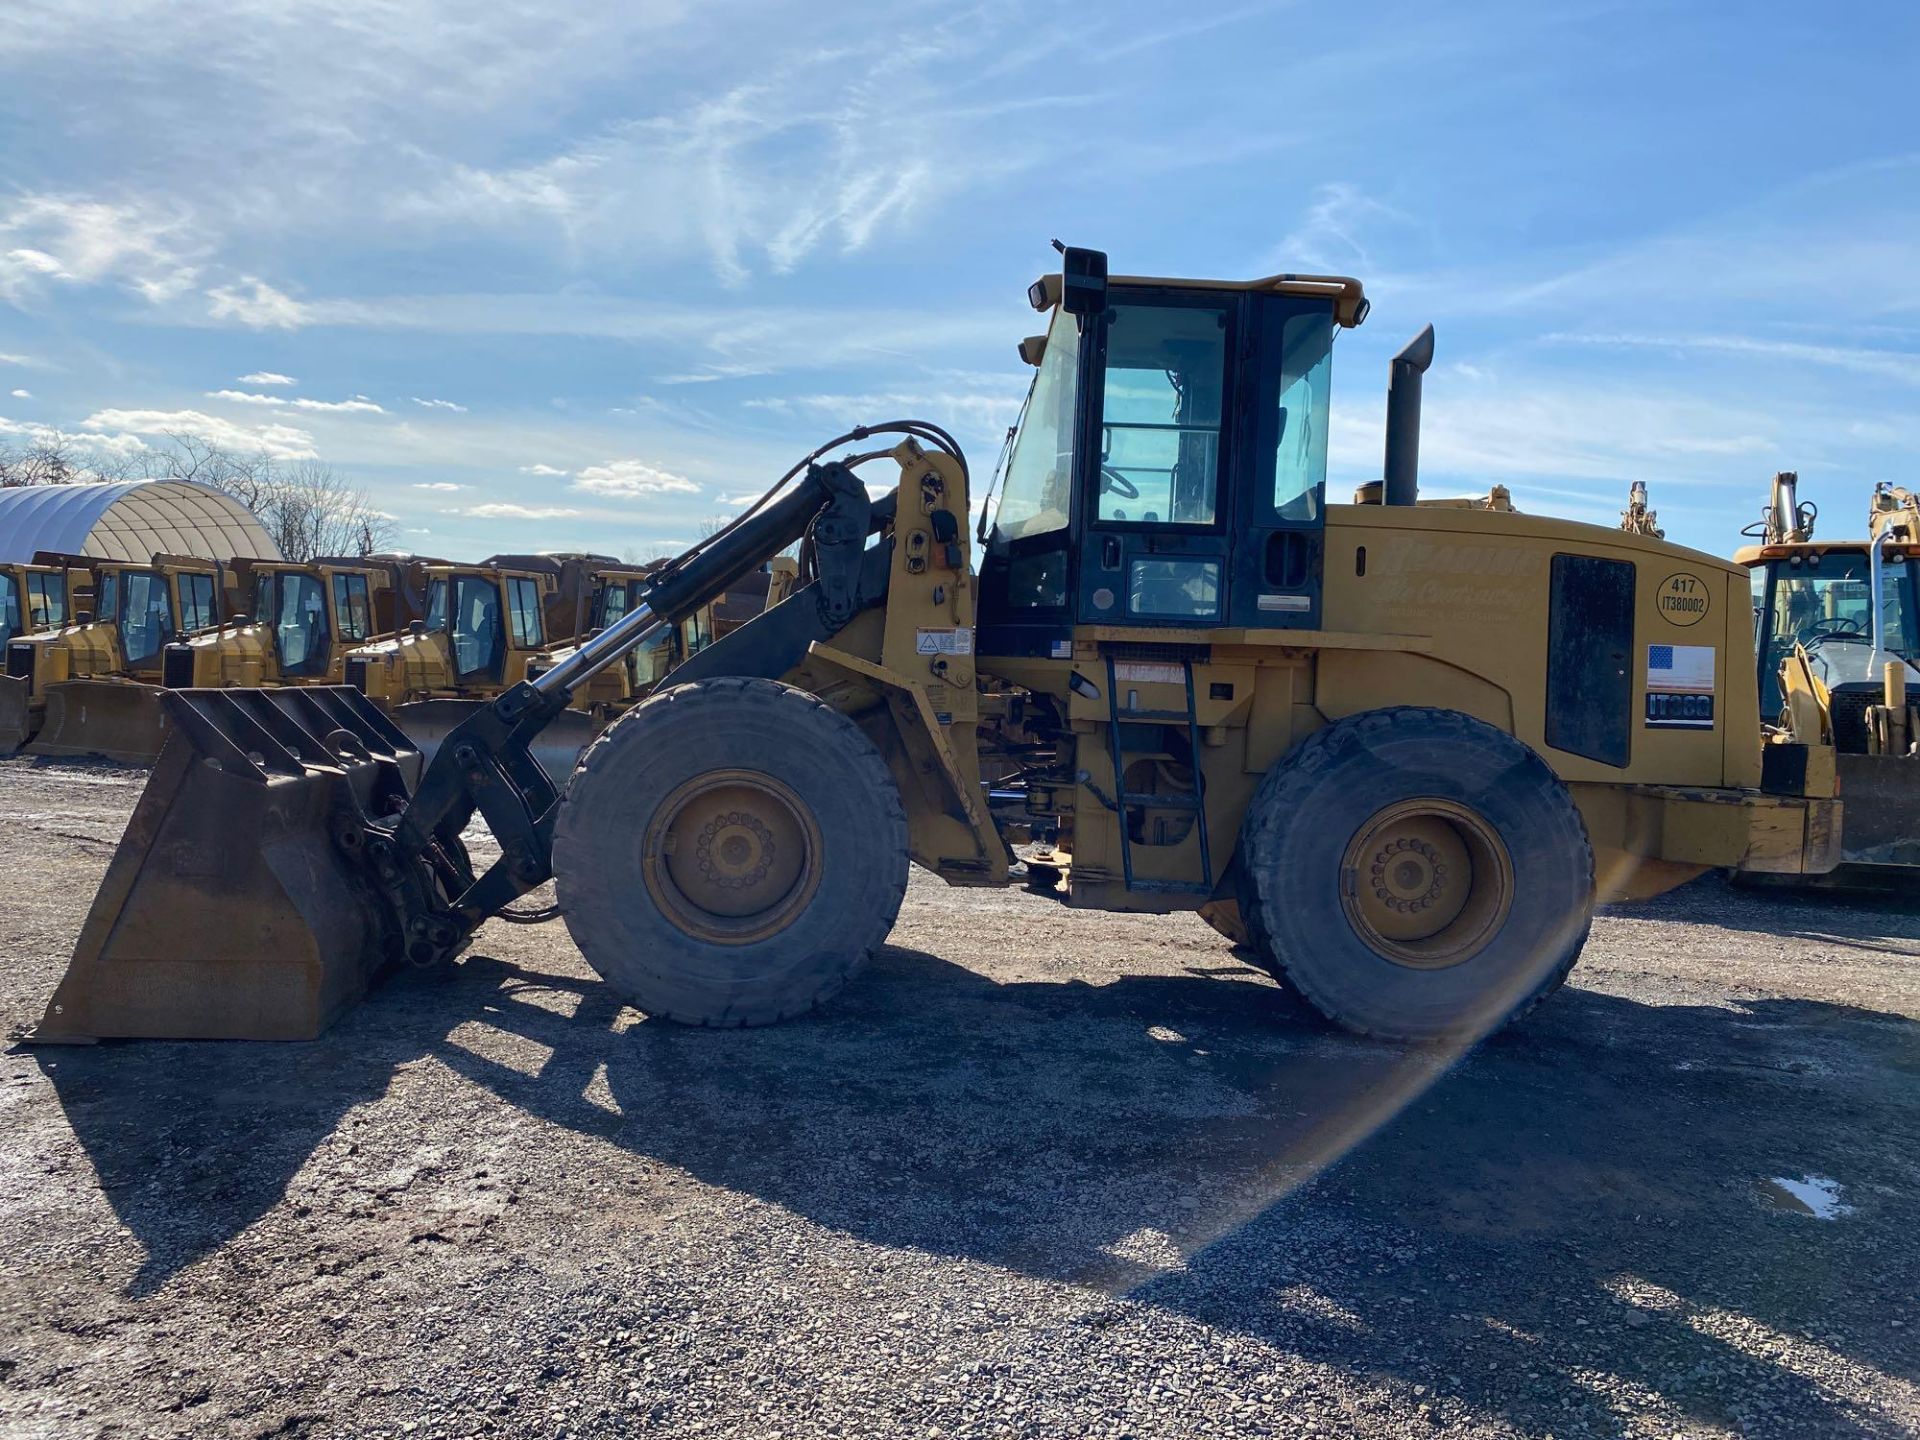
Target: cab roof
1347 294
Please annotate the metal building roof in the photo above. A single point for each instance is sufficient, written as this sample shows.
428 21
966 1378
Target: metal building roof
129 520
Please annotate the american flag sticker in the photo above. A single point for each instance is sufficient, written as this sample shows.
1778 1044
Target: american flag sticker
1680 687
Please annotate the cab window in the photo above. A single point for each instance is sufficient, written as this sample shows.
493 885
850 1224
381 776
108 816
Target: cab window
1160 423
1306 385
146 615
476 624
300 623
523 602
107 608
437 604
196 603
613 604
47 600
697 630
352 609
11 623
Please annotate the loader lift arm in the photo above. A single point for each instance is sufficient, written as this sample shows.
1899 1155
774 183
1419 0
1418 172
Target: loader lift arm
486 766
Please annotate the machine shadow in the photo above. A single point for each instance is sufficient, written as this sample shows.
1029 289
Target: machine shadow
1186 1141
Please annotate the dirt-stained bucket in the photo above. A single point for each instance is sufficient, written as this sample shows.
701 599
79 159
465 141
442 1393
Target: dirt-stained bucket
237 906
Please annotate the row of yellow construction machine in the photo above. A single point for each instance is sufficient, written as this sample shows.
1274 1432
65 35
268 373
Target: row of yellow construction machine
1403 749
91 645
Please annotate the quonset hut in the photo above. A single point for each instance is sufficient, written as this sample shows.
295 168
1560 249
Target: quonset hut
129 520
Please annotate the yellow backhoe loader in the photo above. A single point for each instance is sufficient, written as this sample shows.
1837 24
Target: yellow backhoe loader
1837 636
289 625
1410 746
89 688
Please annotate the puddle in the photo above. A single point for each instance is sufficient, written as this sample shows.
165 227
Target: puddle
1813 1195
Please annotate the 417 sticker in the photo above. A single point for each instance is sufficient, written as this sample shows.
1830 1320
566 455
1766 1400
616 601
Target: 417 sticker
1683 599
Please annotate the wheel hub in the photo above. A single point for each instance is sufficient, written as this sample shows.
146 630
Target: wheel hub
732 856
1426 883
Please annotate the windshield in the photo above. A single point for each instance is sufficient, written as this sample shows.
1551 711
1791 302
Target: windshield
1825 602
1033 497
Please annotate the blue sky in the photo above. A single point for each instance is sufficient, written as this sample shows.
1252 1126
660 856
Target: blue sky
573 274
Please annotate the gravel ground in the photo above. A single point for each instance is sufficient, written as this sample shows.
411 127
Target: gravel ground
1036 1173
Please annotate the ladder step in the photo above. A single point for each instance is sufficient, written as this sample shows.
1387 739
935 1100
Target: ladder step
1161 802
1135 717
1169 887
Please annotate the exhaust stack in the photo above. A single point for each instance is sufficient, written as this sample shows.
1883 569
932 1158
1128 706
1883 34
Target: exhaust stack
1401 478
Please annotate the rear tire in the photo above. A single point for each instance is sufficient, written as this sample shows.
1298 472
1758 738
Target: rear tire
1416 874
729 852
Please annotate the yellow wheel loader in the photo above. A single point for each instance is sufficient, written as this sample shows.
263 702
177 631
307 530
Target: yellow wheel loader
294 626
1411 747
89 688
1837 636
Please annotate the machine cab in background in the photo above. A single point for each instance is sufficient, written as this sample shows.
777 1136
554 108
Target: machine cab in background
1169 467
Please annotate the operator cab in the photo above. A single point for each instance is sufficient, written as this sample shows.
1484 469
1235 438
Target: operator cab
148 608
482 613
306 613
1820 596
1169 467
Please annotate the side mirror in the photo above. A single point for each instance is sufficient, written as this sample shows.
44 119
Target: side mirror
418 627
1083 275
83 617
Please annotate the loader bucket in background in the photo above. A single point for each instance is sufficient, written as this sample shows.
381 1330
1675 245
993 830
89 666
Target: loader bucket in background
558 747
119 720
1880 818
16 715
235 907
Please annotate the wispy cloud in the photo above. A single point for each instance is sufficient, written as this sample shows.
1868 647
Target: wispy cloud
267 377
281 442
49 239
1903 367
497 510
358 405
442 485
542 470
21 394
440 405
256 304
631 478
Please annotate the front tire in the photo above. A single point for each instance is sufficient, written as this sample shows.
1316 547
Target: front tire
1416 874
729 852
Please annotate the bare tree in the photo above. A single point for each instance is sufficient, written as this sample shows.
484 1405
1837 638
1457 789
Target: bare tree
44 457
311 511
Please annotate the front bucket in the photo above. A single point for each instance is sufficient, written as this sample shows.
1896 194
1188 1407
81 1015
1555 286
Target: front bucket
557 747
16 714
103 719
236 907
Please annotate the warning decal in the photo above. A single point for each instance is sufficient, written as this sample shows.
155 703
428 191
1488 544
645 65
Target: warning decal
944 642
1680 687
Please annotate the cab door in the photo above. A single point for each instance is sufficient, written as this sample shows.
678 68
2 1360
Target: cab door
1280 508
1155 459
